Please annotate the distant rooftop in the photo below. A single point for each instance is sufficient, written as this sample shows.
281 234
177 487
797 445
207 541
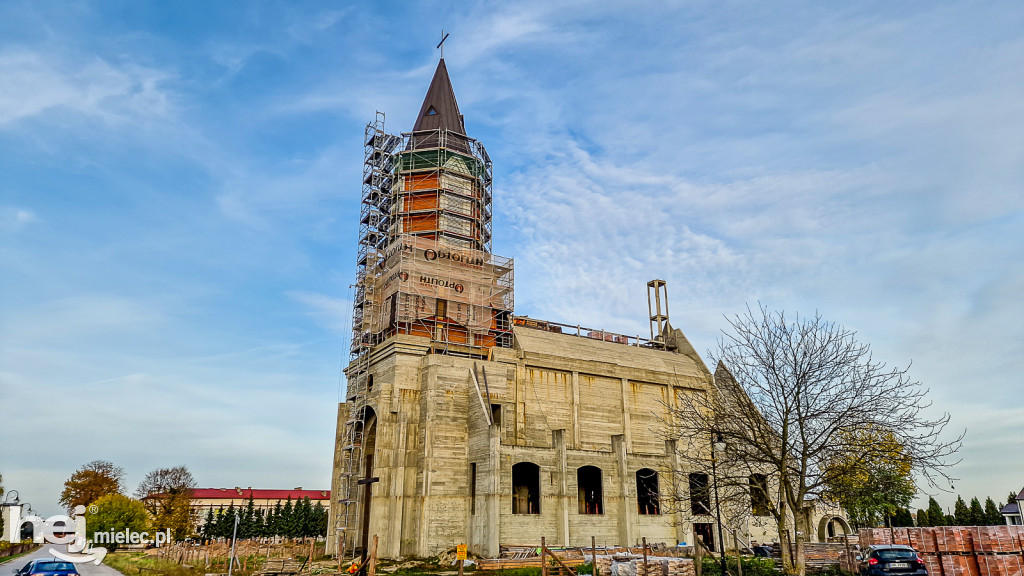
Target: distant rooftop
259 494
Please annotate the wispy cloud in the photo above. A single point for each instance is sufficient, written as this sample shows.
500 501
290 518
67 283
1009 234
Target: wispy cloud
14 219
36 83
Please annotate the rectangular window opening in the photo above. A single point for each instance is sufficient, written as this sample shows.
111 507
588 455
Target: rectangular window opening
647 494
472 488
700 496
760 505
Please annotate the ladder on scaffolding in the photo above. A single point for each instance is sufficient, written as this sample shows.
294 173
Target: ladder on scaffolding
374 228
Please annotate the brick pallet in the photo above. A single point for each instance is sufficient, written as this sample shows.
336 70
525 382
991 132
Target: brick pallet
1000 565
657 567
959 550
822 554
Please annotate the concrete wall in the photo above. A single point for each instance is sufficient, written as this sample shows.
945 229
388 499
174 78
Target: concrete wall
565 402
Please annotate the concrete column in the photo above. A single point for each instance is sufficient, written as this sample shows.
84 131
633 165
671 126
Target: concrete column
519 423
626 520
575 414
493 492
397 501
558 441
627 434
427 408
675 477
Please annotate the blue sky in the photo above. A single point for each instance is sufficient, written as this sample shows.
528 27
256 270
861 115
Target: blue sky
179 189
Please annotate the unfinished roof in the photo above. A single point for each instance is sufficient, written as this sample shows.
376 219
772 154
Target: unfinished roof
544 348
439 109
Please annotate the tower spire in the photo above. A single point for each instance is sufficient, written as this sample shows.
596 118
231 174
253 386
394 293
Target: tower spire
440 111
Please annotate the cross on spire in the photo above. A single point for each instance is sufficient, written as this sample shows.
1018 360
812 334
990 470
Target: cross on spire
440 44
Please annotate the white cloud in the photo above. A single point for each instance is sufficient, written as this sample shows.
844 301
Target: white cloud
257 194
331 312
13 219
36 83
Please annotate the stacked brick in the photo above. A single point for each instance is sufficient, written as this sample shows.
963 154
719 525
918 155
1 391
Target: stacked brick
959 550
678 567
656 566
1001 565
959 565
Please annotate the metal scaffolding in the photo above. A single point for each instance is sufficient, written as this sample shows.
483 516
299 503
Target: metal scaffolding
442 189
423 268
374 218
461 299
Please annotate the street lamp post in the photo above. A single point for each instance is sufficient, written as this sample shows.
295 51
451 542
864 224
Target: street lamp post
719 443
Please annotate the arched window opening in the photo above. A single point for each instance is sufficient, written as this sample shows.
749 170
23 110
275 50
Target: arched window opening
700 496
591 494
647 494
525 488
760 505
369 383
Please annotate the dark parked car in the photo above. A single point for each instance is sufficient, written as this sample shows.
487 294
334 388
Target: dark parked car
891 559
47 567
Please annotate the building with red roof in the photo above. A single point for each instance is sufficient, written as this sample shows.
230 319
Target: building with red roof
204 499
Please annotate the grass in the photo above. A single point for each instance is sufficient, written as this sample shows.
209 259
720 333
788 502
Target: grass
138 563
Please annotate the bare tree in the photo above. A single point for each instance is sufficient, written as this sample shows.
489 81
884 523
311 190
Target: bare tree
787 394
167 495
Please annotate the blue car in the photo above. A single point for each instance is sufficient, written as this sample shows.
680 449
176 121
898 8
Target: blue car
47 567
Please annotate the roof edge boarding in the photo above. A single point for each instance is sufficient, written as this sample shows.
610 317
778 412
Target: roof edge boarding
539 343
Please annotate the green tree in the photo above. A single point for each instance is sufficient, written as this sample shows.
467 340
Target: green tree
875 487
227 525
977 513
208 524
922 518
1012 498
304 520
218 524
935 514
246 527
91 482
288 519
260 522
115 513
902 518
961 512
275 526
992 515
320 516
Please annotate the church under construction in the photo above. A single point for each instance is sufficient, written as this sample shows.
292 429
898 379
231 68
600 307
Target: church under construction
466 424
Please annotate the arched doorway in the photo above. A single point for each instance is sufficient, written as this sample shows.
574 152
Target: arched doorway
831 527
525 488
